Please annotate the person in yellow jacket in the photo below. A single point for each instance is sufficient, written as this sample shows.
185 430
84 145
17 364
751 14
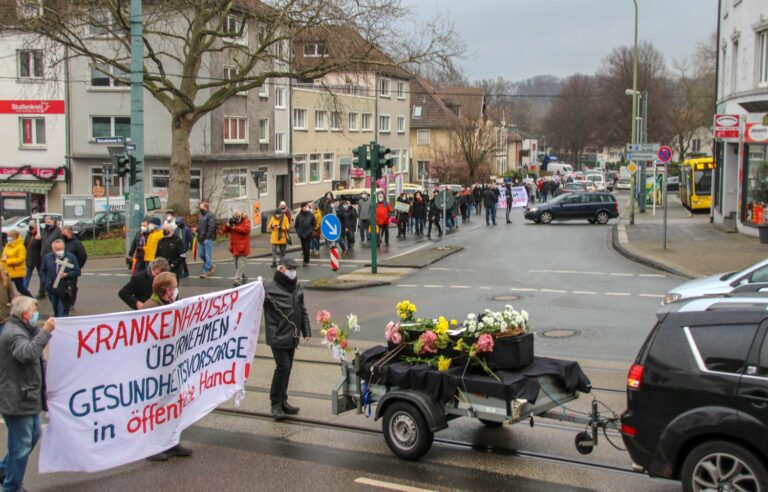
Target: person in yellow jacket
279 225
14 261
154 237
314 246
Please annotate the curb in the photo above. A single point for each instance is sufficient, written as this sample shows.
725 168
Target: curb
352 285
642 259
431 261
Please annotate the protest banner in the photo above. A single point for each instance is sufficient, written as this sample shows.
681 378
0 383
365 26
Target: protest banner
519 197
122 386
502 198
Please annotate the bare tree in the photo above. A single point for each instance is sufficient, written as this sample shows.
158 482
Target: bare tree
474 143
570 123
183 38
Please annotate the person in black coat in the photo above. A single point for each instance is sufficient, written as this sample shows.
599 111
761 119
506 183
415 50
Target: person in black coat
490 199
136 250
185 234
171 248
61 295
305 227
419 211
402 216
435 217
139 288
348 217
74 246
33 246
48 234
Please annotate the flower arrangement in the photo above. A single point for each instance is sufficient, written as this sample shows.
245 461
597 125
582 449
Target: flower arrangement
336 337
405 310
508 322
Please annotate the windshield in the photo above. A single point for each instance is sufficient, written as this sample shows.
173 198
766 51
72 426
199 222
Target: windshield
594 177
13 221
703 180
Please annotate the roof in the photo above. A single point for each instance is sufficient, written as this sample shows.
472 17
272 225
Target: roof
442 108
514 137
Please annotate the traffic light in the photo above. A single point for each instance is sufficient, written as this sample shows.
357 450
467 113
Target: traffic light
123 164
384 160
360 158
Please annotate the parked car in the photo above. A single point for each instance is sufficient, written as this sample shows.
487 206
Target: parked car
21 224
593 207
697 395
86 229
573 188
598 180
623 183
673 184
718 284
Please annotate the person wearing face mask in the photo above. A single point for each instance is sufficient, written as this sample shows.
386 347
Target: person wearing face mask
33 245
206 235
326 206
13 264
48 235
305 228
279 226
402 216
22 386
317 233
170 218
383 212
171 248
419 210
73 245
239 229
61 295
135 258
348 218
185 234
364 212
154 235
286 322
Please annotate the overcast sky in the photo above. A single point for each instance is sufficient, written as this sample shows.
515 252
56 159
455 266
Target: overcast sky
517 39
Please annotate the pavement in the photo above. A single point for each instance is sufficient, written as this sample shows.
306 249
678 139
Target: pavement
695 248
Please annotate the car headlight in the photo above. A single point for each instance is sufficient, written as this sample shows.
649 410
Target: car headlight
534 209
671 298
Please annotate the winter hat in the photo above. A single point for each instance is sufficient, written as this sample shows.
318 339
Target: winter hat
156 221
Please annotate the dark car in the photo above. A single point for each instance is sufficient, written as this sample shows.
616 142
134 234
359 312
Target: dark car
86 229
597 207
697 395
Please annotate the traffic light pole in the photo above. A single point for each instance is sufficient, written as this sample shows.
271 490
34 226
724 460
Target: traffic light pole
374 199
135 211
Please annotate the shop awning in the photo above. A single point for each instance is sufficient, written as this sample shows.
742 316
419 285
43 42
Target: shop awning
26 186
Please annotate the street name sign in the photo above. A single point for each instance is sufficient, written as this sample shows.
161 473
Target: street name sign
643 151
331 227
109 140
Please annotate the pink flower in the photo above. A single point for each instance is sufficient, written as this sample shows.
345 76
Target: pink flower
393 331
485 343
428 342
323 316
395 338
332 334
344 344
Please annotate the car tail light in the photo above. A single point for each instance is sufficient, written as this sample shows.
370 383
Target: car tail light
628 430
616 206
635 376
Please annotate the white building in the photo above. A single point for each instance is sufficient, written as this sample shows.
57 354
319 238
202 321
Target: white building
530 153
740 181
33 127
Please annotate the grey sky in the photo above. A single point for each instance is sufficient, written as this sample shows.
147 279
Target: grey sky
517 39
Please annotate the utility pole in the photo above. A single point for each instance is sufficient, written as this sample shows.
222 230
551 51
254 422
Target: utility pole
643 131
374 168
634 119
135 210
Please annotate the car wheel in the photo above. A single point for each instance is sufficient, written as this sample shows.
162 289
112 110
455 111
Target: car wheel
545 217
406 431
602 217
722 465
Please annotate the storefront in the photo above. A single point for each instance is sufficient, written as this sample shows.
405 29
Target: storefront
755 175
28 189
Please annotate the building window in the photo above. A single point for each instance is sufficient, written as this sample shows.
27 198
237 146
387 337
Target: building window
314 50
395 155
400 90
161 176
367 122
115 183
299 169
756 185
279 98
696 145
264 89
336 118
104 76
231 74
110 126
422 137
384 122
101 23
30 64
422 170
235 130
235 27
299 119
762 70
314 168
264 182
417 112
320 120
734 65
263 131
401 124
404 161
352 121
32 131
235 184
327 167
280 143
384 87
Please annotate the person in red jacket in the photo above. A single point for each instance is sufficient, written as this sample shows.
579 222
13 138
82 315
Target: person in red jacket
239 229
383 211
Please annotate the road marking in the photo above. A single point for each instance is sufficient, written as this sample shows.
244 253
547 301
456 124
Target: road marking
622 274
433 286
441 269
593 273
584 292
485 288
122 275
618 294
407 285
655 296
522 289
216 278
389 485
460 287
89 274
652 275
554 291
104 274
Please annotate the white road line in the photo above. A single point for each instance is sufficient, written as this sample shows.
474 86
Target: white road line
122 275
622 275
485 288
652 275
623 294
433 286
89 274
584 292
216 278
460 287
407 285
389 485
522 289
654 296
104 274
554 291
441 269
593 273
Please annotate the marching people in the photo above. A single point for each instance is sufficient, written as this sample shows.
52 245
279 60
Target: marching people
279 227
402 216
139 288
434 217
154 235
60 280
364 212
419 211
508 190
187 238
48 232
171 248
305 228
33 247
239 229
286 322
8 292
206 235
348 217
135 258
74 246
22 386
14 262
326 205
477 194
490 199
383 211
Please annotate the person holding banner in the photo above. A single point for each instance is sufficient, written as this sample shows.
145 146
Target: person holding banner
286 322
22 387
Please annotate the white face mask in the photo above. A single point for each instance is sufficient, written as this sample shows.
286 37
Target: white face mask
152 227
143 228
175 294
59 253
291 274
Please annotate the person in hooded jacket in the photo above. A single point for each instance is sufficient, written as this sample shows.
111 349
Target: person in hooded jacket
326 205
348 217
286 322
419 211
402 216
13 262
187 238
305 229
279 226
239 229
435 217
155 234
364 214
383 211
171 248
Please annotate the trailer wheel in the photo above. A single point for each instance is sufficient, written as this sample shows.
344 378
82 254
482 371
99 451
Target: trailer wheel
584 444
491 423
406 431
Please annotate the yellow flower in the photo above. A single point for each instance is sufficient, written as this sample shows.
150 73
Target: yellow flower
443 363
459 345
412 308
454 322
442 326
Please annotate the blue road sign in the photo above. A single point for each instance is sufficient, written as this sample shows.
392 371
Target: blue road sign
665 154
331 227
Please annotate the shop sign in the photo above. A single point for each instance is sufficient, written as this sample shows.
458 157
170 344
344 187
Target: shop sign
40 172
31 107
726 126
756 133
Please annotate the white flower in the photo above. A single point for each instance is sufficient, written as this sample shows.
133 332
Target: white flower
481 325
524 314
503 327
471 316
353 323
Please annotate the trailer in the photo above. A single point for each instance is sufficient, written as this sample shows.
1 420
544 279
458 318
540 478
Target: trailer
411 416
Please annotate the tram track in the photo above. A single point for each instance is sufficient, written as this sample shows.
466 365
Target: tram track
490 449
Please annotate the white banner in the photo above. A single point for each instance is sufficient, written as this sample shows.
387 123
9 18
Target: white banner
122 387
502 205
519 197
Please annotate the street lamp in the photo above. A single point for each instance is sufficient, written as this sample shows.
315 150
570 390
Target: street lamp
634 117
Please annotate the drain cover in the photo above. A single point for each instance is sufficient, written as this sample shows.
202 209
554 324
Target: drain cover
506 298
559 333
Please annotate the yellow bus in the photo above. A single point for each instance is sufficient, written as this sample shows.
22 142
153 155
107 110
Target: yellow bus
696 183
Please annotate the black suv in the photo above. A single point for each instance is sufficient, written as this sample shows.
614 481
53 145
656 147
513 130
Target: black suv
697 395
595 207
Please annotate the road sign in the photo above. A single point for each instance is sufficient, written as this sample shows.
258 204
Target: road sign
331 227
632 168
130 146
334 259
444 196
665 154
642 151
726 126
109 140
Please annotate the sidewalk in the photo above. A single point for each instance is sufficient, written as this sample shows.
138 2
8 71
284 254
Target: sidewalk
695 247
